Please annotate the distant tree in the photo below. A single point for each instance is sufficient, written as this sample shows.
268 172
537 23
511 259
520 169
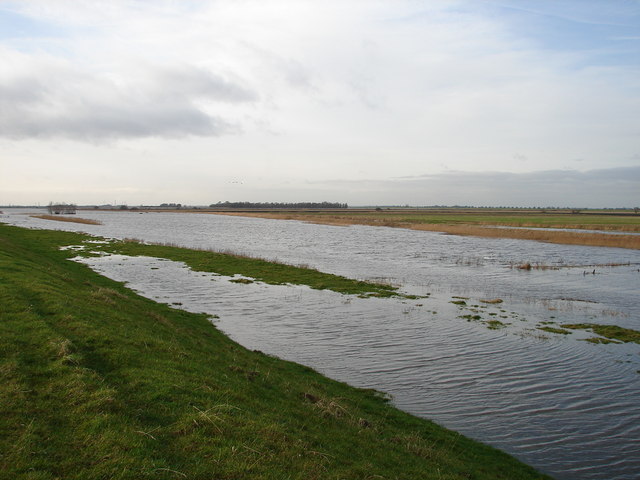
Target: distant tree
276 205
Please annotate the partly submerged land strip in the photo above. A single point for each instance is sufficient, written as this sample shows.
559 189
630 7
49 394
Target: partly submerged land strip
272 272
58 218
98 382
563 229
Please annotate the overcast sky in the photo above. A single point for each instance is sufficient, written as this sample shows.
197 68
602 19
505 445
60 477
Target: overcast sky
471 102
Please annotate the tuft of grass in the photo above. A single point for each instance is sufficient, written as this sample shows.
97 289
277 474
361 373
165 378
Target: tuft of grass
97 382
495 324
245 281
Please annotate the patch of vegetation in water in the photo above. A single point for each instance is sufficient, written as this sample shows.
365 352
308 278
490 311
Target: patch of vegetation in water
611 332
493 301
559 331
600 340
495 324
458 302
245 281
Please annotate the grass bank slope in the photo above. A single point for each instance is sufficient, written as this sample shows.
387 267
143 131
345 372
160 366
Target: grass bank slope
97 382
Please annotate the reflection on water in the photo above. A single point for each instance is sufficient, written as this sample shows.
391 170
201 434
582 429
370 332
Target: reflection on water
563 405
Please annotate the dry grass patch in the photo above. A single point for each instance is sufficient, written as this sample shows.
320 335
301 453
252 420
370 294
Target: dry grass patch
58 218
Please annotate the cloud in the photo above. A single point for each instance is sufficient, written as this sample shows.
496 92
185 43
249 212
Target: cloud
352 90
613 187
46 97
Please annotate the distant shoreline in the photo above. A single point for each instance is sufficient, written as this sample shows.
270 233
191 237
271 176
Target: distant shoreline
565 226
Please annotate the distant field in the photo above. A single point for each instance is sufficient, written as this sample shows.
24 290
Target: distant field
482 222
607 220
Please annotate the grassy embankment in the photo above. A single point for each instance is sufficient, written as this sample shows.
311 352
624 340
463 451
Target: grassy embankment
481 222
97 382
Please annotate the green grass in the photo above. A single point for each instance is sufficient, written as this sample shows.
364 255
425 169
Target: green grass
612 332
528 218
97 382
256 268
495 324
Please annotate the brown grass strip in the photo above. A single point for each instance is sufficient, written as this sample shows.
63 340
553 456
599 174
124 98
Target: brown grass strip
549 236
67 219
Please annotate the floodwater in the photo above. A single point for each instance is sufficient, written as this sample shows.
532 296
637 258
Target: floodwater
563 405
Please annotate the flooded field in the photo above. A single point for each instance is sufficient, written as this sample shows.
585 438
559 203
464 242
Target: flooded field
456 355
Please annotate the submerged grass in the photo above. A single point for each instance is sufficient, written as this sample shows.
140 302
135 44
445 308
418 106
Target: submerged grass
97 382
611 332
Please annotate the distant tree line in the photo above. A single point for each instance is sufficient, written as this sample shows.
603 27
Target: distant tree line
278 205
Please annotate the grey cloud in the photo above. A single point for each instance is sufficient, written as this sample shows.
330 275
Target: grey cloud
614 187
197 82
96 122
541 176
50 101
21 91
